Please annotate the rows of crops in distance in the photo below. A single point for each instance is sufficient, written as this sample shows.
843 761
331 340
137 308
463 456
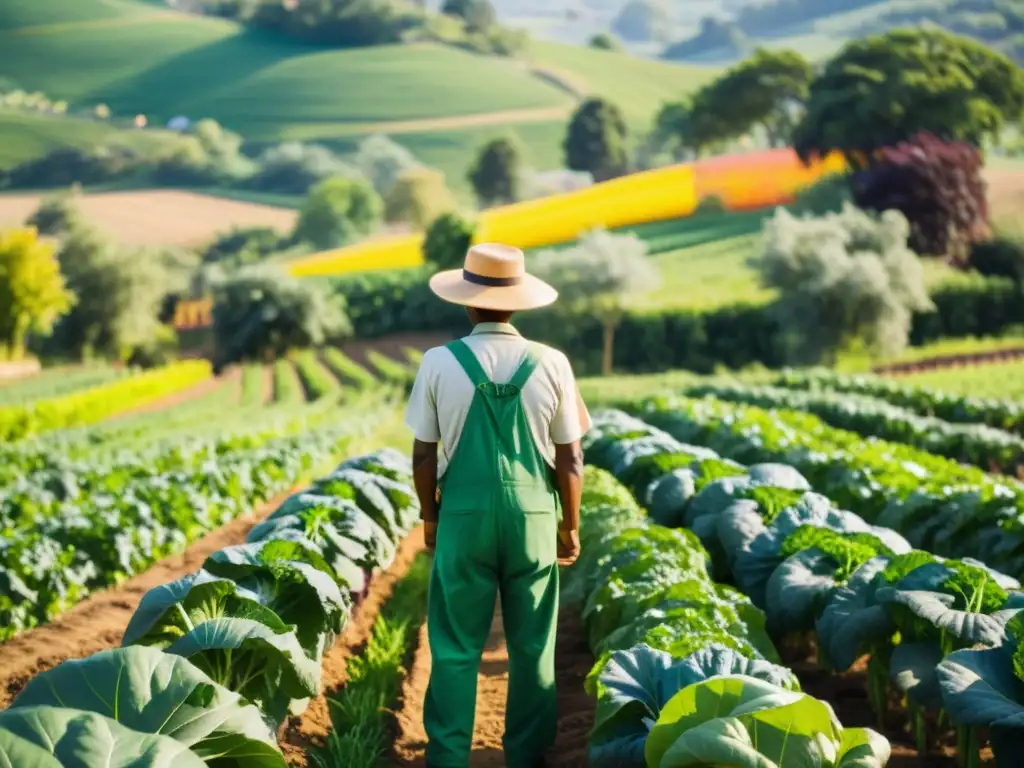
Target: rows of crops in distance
54 382
74 523
860 588
234 648
927 394
972 443
88 406
680 656
939 505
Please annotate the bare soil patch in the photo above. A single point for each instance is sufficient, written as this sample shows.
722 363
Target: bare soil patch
98 622
300 734
394 346
158 217
952 361
576 708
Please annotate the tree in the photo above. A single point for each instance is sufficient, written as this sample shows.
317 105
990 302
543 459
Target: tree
419 197
495 175
478 15
881 90
642 21
768 89
293 168
243 245
937 185
338 211
119 293
32 291
843 278
447 241
382 161
604 41
261 313
596 140
684 131
56 214
598 277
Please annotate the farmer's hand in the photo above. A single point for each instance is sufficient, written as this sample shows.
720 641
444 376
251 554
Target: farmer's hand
430 535
568 547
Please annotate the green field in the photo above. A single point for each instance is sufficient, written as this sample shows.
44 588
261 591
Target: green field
441 102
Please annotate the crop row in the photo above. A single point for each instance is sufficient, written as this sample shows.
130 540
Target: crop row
962 409
686 673
943 633
978 444
69 528
92 405
211 665
937 504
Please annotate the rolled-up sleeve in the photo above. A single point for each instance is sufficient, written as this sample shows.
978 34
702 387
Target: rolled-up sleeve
421 412
572 419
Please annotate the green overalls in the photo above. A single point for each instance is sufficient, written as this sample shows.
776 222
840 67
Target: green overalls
497 532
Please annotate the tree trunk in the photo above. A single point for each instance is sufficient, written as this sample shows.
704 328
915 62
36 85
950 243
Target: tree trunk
607 353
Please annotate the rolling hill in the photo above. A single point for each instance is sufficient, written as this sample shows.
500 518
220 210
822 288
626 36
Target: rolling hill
442 102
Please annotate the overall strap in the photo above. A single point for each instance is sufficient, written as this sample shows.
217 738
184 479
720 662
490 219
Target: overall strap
526 368
469 363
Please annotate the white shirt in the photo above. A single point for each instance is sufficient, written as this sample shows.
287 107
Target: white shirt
442 392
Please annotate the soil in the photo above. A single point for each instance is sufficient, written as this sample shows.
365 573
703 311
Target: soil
952 361
299 734
576 708
847 692
268 384
98 622
394 346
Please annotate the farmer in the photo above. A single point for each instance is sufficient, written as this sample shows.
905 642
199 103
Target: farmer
500 506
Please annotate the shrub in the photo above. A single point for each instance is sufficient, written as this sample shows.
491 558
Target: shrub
69 165
937 185
496 171
56 214
603 41
293 168
1002 256
243 246
419 197
338 211
710 205
827 195
382 161
447 241
842 278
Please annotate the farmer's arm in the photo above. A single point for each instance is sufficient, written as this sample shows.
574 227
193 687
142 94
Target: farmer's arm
421 418
569 472
424 474
571 422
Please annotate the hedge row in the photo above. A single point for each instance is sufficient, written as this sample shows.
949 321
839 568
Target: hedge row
733 336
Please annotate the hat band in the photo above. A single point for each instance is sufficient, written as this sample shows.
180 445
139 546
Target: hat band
491 282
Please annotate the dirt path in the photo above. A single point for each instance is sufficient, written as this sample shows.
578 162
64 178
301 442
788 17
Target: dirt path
98 622
576 709
312 728
952 361
454 122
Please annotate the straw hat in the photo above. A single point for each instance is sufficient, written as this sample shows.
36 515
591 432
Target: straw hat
493 277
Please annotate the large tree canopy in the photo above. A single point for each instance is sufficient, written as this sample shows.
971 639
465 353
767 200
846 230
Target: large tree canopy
883 89
767 89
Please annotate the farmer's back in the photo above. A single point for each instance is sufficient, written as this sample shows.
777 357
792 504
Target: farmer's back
508 418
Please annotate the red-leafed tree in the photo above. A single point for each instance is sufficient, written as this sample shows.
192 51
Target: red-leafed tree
937 185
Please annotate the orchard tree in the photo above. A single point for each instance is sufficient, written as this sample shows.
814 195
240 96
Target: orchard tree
447 241
596 140
842 279
881 90
478 15
120 294
418 197
495 174
261 313
938 186
338 211
32 290
768 89
598 277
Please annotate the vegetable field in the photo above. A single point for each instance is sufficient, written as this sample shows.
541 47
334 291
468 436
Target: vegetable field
817 570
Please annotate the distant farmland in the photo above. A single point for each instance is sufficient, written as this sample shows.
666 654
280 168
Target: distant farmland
158 217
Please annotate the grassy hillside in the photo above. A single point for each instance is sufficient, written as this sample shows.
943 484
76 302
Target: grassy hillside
25 135
439 101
